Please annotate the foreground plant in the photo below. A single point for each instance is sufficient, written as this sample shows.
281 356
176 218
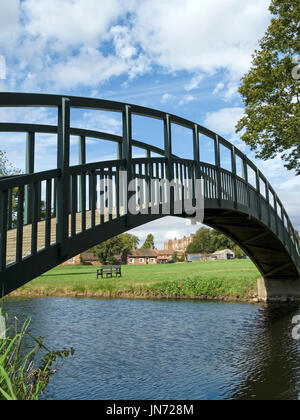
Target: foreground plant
20 379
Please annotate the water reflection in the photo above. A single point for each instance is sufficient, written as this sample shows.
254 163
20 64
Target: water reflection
128 349
272 360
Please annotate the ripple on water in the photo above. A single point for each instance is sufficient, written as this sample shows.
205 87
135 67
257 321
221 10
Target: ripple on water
127 349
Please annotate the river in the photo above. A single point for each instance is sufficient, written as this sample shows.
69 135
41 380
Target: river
138 349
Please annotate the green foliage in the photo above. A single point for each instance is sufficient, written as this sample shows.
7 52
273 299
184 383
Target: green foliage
271 92
20 379
175 256
149 242
72 280
238 252
6 168
208 241
106 251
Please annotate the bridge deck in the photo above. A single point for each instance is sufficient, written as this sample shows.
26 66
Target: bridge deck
27 234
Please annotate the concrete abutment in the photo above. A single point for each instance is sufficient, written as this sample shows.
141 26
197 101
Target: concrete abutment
283 291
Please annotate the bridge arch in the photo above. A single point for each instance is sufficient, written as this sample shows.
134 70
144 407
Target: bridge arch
76 215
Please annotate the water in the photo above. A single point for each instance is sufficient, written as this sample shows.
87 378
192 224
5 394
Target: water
127 349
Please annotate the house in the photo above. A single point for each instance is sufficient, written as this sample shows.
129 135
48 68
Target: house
90 259
132 257
225 254
199 257
141 257
85 259
163 256
73 261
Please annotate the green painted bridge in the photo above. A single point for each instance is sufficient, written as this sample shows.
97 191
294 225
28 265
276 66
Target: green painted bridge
48 217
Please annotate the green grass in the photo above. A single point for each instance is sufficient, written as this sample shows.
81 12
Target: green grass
219 279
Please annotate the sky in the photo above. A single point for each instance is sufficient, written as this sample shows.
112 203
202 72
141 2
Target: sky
185 57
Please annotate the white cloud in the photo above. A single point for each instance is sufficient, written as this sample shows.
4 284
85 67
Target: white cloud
9 25
194 82
88 68
187 99
201 35
72 22
228 91
224 120
166 98
65 45
165 229
66 39
220 86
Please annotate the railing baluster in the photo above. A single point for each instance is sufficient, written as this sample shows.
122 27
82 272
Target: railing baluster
102 197
3 228
48 213
93 198
83 201
74 205
30 153
20 224
35 212
118 192
10 209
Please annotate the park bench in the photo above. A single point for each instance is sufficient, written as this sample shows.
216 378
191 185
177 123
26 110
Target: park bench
109 270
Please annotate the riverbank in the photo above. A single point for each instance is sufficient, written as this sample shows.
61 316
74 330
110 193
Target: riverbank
234 281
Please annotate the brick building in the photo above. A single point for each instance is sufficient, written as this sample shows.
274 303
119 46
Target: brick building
147 257
178 245
132 257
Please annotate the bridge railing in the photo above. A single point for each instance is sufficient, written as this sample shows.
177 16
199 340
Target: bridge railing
27 200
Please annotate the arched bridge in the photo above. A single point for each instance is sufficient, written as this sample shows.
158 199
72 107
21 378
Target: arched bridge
49 217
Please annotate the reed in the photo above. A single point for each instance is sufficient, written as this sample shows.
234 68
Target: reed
21 377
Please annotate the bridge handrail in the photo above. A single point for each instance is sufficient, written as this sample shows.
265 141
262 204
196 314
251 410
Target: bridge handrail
127 110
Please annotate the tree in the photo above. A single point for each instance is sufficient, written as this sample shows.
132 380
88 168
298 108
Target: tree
271 89
175 256
238 252
149 242
201 242
118 245
220 241
208 241
6 168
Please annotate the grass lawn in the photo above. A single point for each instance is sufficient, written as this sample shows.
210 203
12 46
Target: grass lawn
229 280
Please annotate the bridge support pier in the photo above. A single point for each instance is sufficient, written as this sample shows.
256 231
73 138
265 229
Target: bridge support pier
283 291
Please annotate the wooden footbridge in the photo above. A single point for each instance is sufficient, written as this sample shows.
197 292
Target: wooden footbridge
48 217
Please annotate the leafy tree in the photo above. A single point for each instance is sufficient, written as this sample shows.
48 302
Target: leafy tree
6 168
149 242
238 252
220 241
175 256
106 251
271 89
201 242
208 241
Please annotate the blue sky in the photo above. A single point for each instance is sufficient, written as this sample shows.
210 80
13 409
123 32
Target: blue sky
182 56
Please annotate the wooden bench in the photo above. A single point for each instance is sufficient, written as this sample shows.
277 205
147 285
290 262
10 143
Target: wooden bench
109 270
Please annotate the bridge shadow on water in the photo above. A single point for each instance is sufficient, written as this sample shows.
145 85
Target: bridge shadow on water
271 359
